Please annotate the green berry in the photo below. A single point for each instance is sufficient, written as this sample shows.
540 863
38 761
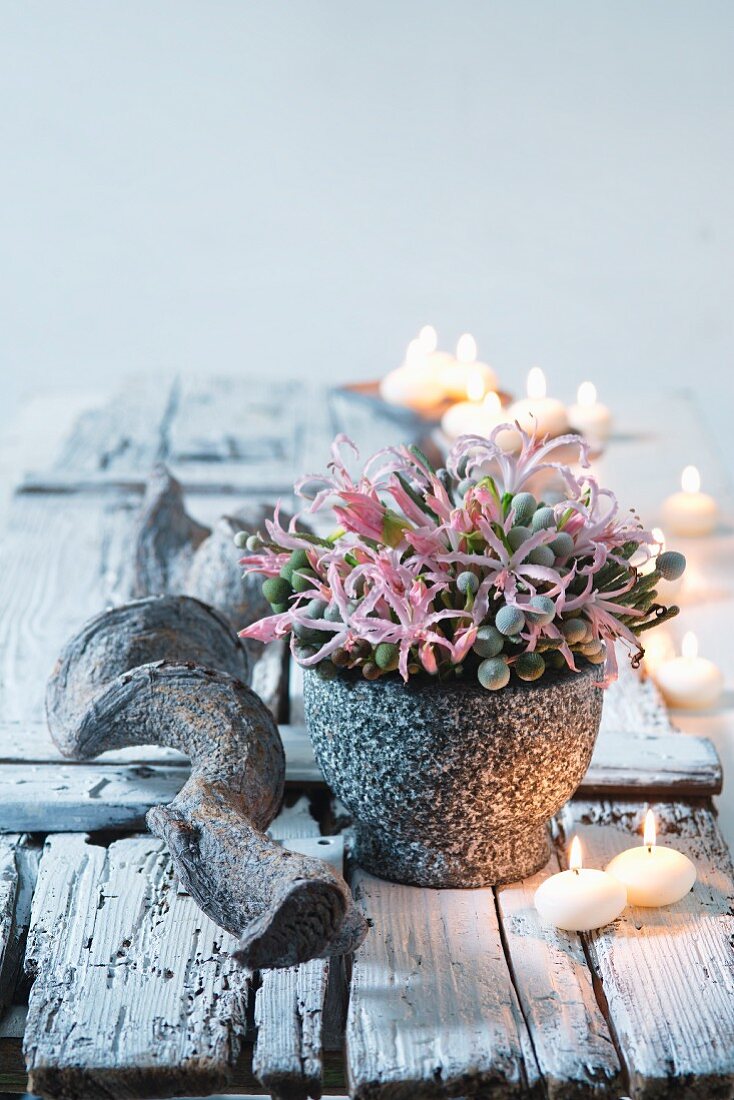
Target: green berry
315 609
489 642
303 652
555 660
591 649
541 555
303 580
597 658
299 560
333 614
467 582
464 486
518 535
340 658
671 565
240 539
306 633
524 505
387 656
254 543
562 545
509 620
573 630
279 608
276 590
541 610
493 674
326 670
287 573
543 519
529 666
370 671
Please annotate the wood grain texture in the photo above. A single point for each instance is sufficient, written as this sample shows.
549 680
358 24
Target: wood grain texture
135 992
289 1005
433 1011
667 974
571 1039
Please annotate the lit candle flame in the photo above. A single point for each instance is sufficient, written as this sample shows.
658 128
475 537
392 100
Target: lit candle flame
690 480
475 387
689 646
650 831
466 348
415 356
428 338
586 395
575 861
536 384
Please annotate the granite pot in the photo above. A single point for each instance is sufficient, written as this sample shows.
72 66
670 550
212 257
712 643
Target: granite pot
448 784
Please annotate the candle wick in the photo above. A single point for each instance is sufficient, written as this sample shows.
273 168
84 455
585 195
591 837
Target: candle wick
575 870
649 848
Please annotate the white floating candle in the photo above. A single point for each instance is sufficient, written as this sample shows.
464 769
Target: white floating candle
689 681
538 414
459 373
416 383
581 898
589 416
690 512
478 415
652 874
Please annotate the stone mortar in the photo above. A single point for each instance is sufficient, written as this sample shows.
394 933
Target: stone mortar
450 785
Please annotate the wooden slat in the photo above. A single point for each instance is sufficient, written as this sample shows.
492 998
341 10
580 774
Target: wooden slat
134 990
289 1005
61 561
432 1010
66 796
571 1039
667 974
19 859
115 442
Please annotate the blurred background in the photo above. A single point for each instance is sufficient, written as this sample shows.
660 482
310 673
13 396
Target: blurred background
298 187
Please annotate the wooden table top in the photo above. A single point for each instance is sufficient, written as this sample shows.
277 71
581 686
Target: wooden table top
115 982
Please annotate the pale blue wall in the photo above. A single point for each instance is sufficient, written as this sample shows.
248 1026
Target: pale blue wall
184 183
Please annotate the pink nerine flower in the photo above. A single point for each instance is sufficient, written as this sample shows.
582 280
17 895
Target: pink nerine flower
459 571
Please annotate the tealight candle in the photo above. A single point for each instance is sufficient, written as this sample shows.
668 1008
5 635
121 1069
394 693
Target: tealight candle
652 874
416 383
690 512
538 414
478 415
689 681
589 416
581 898
465 370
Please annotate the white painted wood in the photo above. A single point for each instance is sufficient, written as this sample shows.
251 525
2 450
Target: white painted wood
433 1010
134 991
571 1040
83 797
667 973
19 859
289 1005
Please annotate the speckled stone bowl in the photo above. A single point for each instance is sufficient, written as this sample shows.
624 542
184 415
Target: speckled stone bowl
449 784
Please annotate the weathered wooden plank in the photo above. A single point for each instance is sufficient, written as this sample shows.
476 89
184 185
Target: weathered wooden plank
117 791
84 797
289 1005
116 440
135 993
633 704
61 561
19 859
667 974
571 1039
433 1011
